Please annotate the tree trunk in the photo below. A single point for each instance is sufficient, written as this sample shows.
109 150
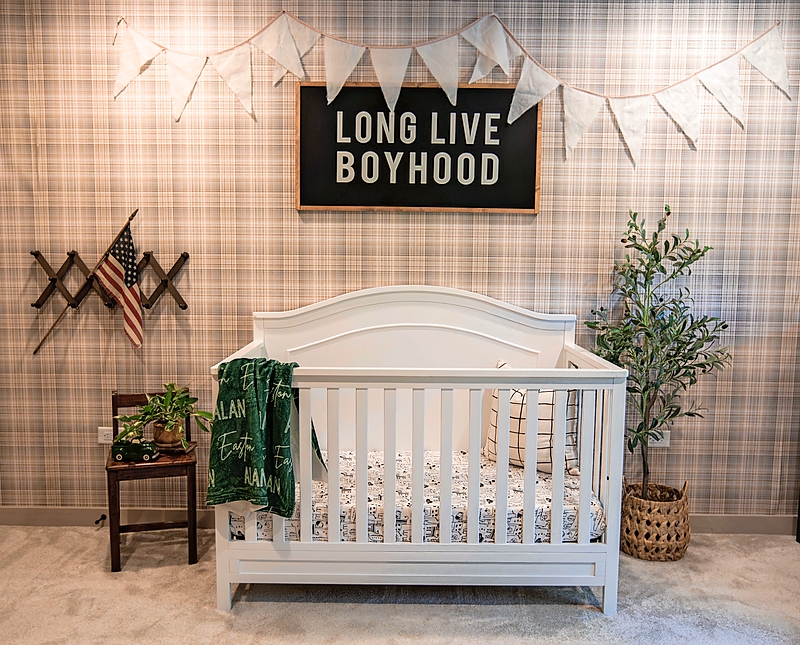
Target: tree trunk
645 470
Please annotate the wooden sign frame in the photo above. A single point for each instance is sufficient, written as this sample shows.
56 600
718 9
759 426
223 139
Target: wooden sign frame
326 131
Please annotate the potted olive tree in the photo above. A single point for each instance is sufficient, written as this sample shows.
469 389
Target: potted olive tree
167 413
665 347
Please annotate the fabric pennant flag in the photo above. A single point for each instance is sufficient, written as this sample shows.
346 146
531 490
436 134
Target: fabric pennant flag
632 115
484 65
304 39
683 105
580 109
514 50
183 70
341 59
489 38
441 58
533 85
390 67
234 66
137 51
722 80
768 57
276 41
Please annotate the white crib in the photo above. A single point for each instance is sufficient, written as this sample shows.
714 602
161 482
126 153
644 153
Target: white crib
425 358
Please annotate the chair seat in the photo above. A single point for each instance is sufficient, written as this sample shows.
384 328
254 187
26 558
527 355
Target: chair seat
149 469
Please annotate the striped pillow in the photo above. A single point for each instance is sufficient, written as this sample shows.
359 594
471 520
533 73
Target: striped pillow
518 414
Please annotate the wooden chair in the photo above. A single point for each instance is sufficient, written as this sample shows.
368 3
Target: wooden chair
167 465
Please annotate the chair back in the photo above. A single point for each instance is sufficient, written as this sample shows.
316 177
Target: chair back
135 400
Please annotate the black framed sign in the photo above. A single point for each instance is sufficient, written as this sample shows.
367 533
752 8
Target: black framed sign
428 155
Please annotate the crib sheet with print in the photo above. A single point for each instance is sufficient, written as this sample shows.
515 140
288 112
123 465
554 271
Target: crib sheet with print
431 522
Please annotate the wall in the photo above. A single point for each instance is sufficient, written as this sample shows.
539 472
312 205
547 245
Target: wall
218 185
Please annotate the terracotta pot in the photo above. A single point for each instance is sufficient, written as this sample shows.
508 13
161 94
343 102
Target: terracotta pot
656 529
165 438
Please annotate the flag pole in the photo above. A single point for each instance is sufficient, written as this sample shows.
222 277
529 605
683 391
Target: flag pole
88 278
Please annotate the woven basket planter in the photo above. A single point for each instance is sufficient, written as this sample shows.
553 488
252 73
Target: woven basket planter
656 529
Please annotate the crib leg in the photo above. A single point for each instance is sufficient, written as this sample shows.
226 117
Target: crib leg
223 595
222 527
610 598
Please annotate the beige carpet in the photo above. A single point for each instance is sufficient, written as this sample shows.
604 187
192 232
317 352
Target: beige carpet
56 587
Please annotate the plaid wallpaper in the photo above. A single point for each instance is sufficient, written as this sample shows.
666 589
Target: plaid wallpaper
219 185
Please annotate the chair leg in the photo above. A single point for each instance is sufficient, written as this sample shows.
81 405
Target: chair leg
114 520
191 501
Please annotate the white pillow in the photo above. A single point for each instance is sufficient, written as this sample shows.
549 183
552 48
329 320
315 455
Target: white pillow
546 422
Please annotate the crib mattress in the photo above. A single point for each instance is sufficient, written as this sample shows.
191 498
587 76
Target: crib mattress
403 509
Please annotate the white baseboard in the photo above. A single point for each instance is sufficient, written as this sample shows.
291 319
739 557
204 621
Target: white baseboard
86 516
758 524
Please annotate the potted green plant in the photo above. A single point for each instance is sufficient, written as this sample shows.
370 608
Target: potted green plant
167 413
665 347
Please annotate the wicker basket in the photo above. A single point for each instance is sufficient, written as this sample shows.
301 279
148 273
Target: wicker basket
656 529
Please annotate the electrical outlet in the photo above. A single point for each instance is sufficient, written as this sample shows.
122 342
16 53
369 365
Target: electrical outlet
660 443
105 435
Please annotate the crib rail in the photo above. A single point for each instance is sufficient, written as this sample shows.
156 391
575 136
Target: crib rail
596 390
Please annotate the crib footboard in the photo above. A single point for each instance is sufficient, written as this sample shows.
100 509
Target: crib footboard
409 564
302 555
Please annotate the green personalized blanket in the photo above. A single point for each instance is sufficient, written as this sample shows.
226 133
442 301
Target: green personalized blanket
252 446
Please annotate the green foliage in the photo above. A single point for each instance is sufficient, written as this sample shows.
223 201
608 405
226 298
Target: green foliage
170 408
657 338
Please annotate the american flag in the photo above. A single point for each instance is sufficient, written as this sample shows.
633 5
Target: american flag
120 279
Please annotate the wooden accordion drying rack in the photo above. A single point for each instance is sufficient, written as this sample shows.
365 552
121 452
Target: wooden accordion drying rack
74 260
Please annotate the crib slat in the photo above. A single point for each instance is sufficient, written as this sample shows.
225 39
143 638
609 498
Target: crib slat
278 528
334 530
306 527
501 490
598 439
605 443
361 466
417 465
531 453
588 398
446 470
250 527
474 482
389 465
559 440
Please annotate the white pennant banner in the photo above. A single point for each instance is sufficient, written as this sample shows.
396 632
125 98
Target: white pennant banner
390 67
632 115
580 109
484 65
137 51
768 57
489 38
441 58
534 84
183 70
286 40
234 66
341 59
304 39
276 41
722 80
683 105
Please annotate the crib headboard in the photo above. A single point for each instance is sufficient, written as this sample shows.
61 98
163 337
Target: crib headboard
413 326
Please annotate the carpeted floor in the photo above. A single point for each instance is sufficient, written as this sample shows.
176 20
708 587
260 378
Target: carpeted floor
56 587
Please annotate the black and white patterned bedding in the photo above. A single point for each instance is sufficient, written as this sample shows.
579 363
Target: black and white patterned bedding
403 507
